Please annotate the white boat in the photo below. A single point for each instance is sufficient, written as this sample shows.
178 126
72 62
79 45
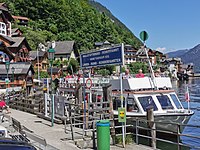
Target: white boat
139 93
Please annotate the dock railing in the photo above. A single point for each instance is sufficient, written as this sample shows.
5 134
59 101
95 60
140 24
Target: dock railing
140 129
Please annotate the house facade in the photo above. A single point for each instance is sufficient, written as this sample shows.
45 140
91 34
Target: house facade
129 54
21 77
64 50
14 49
39 60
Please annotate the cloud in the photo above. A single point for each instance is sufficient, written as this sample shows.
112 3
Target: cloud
161 49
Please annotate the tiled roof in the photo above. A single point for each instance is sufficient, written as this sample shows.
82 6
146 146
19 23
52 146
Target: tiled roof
17 40
14 30
54 70
2 7
7 38
20 17
20 68
64 47
33 54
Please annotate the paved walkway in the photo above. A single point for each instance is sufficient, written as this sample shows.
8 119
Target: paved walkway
55 136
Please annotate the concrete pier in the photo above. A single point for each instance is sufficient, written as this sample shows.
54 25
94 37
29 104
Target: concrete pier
55 136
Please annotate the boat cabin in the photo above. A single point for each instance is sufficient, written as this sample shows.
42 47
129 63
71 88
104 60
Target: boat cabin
140 93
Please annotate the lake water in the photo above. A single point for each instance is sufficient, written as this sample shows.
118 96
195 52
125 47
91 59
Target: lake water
194 90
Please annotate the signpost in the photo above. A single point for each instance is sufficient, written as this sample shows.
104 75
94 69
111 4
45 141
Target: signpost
109 56
89 83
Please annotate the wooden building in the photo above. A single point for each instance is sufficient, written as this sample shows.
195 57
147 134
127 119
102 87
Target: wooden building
39 61
21 77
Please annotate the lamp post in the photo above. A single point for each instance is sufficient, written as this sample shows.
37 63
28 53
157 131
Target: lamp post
7 65
38 66
51 53
38 61
13 70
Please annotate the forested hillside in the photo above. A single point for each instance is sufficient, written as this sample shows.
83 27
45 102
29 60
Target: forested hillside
68 20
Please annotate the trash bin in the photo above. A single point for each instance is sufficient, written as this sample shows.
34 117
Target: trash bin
103 135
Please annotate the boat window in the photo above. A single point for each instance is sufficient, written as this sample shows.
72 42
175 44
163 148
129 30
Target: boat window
176 101
117 103
147 101
165 102
131 105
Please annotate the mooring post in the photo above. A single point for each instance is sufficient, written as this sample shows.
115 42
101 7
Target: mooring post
151 126
107 93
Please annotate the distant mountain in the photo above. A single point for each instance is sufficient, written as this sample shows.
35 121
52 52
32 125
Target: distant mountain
188 56
192 56
177 53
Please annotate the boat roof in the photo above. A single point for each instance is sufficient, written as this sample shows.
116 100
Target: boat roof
144 92
141 84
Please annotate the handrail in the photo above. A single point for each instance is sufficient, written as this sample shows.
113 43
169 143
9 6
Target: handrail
177 133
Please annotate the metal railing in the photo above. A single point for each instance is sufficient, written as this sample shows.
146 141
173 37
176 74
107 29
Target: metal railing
174 138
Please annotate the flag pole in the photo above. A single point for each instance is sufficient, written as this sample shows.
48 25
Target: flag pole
188 98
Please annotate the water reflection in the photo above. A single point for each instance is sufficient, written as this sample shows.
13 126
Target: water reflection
194 89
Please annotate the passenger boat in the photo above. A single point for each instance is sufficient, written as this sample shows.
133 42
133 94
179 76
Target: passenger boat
139 93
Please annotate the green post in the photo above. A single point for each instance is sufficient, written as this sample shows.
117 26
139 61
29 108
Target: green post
103 135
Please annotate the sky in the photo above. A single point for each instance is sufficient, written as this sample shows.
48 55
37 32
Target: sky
171 24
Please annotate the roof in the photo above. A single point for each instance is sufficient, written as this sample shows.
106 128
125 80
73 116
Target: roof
20 68
4 49
14 30
5 9
64 47
20 17
2 7
8 38
33 54
54 70
17 40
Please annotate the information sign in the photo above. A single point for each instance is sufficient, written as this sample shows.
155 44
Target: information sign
121 115
109 56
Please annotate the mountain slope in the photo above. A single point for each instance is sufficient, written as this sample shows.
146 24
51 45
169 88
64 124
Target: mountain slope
177 53
192 56
69 20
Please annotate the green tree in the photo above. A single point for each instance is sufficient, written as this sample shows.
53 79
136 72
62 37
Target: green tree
134 67
73 66
43 74
76 20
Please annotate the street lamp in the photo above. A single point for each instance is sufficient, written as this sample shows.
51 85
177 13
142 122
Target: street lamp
51 54
7 65
38 61
13 70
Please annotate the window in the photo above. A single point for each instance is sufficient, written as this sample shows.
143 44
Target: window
147 101
165 102
176 101
117 103
131 105
3 28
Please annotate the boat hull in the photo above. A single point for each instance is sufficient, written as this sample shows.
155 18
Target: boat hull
168 123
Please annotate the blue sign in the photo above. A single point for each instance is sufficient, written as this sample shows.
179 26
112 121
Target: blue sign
45 81
110 56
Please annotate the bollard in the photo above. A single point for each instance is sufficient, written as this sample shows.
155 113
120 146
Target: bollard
152 126
103 135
